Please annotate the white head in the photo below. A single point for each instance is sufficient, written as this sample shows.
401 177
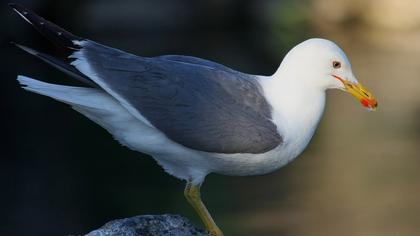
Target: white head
320 63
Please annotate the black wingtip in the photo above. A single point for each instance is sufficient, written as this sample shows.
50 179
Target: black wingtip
18 7
60 37
24 48
12 44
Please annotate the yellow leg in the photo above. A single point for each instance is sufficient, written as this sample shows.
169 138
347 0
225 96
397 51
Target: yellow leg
192 193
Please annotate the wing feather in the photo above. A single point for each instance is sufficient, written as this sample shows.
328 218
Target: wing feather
198 103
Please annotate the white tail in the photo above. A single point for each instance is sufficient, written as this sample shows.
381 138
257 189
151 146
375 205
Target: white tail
75 96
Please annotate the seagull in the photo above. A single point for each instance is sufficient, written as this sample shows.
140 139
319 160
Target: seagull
195 116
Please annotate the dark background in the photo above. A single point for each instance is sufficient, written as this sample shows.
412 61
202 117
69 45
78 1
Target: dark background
61 174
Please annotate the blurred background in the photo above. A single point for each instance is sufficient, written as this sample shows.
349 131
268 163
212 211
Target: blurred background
60 174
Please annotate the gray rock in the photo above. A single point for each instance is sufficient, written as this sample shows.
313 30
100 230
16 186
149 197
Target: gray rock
149 225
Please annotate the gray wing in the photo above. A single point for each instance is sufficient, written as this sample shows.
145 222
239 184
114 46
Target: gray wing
194 61
197 103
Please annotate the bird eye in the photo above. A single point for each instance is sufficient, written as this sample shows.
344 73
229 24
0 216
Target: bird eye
336 64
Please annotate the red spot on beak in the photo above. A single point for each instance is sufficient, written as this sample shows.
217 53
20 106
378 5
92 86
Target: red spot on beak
365 102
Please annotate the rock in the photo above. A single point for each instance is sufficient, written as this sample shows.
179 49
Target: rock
149 225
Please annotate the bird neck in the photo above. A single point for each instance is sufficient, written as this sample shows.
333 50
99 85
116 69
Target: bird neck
296 106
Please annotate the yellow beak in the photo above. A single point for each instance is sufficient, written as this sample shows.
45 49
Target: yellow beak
360 93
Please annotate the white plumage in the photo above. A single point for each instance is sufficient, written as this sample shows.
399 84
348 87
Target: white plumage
298 101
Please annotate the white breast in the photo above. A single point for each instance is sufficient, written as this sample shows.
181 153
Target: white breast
296 111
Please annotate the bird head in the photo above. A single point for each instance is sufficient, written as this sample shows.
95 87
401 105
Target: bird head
321 63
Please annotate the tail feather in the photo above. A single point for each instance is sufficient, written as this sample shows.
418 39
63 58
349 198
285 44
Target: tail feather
60 37
75 96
